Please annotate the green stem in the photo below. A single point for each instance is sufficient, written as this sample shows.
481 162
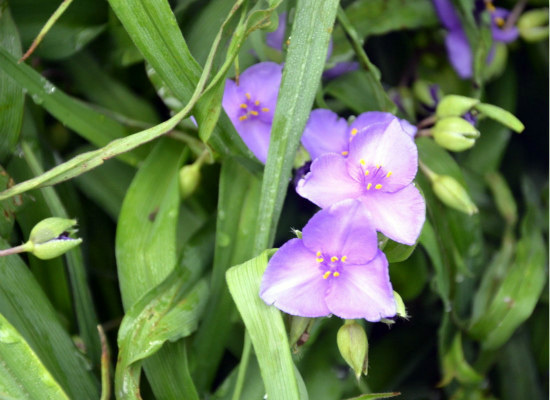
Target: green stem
16 250
243 366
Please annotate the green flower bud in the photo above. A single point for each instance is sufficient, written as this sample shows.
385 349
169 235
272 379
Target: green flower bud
50 238
189 177
299 331
454 106
400 305
533 25
455 134
500 115
423 92
354 346
452 193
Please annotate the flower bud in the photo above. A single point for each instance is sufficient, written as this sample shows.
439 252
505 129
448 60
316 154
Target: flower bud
400 305
455 134
299 330
354 346
454 106
50 238
533 25
428 93
452 193
189 177
500 115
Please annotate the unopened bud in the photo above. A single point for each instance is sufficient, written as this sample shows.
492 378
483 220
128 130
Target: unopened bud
453 194
533 25
454 106
189 177
400 306
455 133
354 346
299 331
428 93
50 238
506 118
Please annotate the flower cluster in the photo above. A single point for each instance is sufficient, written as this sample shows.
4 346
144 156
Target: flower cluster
361 177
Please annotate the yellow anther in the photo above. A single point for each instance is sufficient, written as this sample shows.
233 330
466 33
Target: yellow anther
244 106
500 22
265 109
353 132
345 153
389 174
336 274
318 254
326 275
378 166
247 96
333 259
362 162
367 172
254 113
490 7
369 186
379 186
257 102
243 117
344 258
319 260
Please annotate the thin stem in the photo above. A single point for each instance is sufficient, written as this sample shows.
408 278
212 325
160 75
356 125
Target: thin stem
243 366
514 14
51 21
15 250
427 171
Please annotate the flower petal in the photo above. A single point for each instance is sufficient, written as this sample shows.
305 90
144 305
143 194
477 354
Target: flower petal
399 215
447 14
392 148
363 291
328 182
262 81
499 34
460 53
325 132
293 282
255 134
344 229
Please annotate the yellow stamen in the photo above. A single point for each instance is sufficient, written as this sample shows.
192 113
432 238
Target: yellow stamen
369 186
336 274
265 109
326 275
353 132
319 260
389 174
367 172
378 166
500 22
362 162
257 102
247 96
243 117
318 254
254 113
490 7
333 259
345 153
379 186
244 106
344 258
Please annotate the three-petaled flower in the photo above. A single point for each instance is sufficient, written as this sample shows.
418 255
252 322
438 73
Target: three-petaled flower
250 105
336 268
378 170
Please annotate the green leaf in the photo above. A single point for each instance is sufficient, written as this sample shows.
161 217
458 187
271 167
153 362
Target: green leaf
24 305
438 160
375 396
397 252
266 328
22 374
455 366
430 243
506 118
304 65
168 312
518 291
11 95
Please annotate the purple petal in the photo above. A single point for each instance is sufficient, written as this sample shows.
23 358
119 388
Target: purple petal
325 132
255 135
409 128
399 215
293 282
262 81
447 14
276 38
363 291
344 229
340 68
460 53
391 150
329 182
379 120
499 34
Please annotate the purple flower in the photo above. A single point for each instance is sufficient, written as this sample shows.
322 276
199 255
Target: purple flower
250 105
325 132
456 42
336 268
379 169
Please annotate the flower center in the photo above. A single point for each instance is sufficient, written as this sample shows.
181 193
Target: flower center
330 266
251 109
374 176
